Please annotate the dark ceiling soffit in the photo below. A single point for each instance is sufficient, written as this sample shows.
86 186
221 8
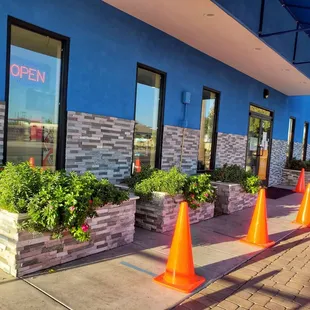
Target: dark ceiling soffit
296 6
298 29
282 32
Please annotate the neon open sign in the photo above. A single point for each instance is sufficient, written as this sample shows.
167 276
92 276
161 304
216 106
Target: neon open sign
28 73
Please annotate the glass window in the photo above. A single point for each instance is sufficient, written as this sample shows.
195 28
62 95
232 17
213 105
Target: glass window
147 118
258 110
290 138
207 130
305 141
33 101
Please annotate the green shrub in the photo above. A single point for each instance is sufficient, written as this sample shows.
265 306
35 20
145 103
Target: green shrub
251 183
235 174
56 201
297 164
137 177
108 193
229 174
65 201
170 182
48 208
198 189
18 184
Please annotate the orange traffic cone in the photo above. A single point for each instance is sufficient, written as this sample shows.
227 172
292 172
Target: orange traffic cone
180 273
258 231
301 187
138 165
303 216
31 162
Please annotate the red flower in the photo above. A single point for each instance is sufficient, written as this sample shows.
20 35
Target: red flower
206 194
72 208
90 201
85 227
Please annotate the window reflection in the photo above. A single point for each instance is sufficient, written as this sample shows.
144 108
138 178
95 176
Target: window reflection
290 139
305 141
147 117
260 110
207 122
33 106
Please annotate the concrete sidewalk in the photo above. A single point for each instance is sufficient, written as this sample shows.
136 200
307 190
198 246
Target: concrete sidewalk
122 278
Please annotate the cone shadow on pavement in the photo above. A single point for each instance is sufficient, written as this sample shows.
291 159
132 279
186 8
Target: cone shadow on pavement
258 231
180 273
301 187
303 216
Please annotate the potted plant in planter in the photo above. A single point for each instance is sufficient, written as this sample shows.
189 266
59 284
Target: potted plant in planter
48 218
236 189
161 192
292 170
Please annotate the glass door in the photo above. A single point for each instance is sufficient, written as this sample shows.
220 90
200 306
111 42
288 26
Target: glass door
264 150
258 148
253 144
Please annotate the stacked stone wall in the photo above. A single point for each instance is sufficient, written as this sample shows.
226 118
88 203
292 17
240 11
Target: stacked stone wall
160 214
232 198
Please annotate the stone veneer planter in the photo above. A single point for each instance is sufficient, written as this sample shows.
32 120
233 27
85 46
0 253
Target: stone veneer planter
290 177
160 214
22 252
231 198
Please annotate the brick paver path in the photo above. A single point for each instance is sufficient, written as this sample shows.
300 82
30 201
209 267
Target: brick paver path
276 279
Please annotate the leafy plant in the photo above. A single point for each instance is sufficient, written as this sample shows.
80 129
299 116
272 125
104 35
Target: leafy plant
251 184
47 209
65 202
170 182
137 177
56 201
18 184
229 174
198 189
107 193
236 174
297 164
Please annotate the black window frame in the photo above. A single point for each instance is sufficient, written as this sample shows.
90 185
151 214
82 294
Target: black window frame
305 140
62 115
215 128
161 108
291 143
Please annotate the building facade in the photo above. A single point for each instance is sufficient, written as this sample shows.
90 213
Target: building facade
90 86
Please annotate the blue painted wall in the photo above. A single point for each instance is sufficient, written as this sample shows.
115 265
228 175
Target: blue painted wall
106 45
299 107
276 18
